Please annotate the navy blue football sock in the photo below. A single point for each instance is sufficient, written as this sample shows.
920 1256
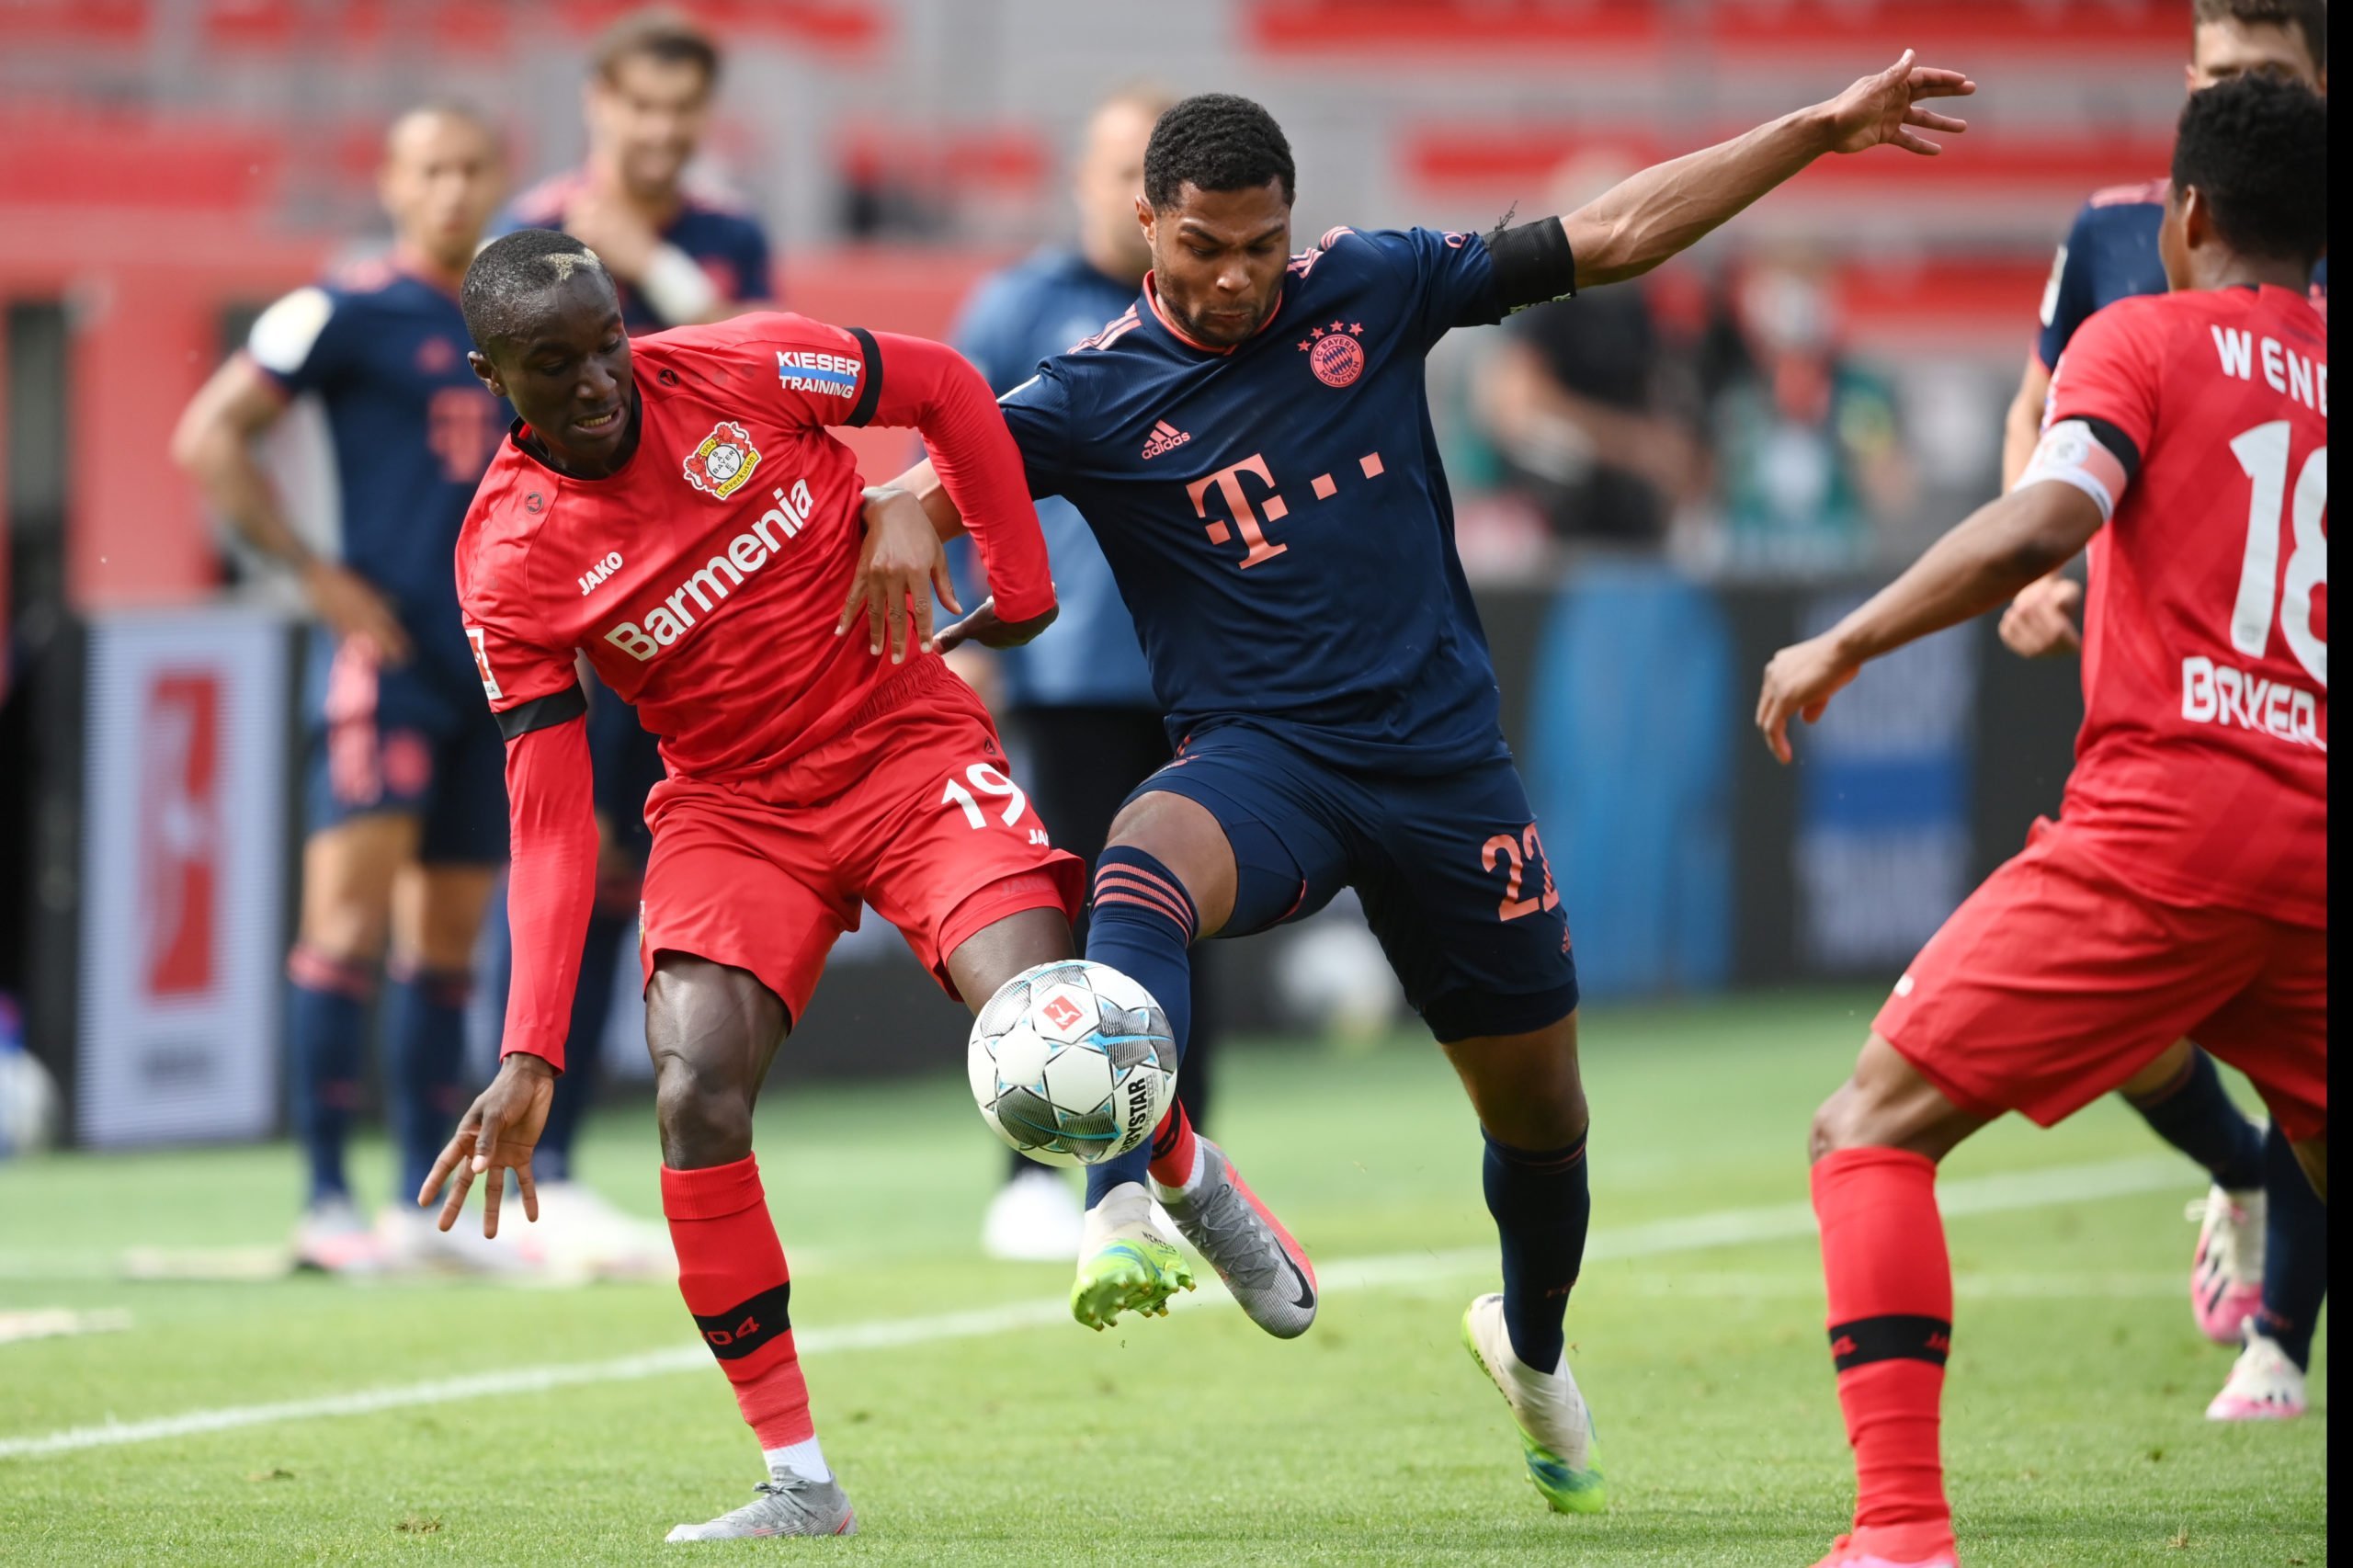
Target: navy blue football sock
425 1053
2194 1114
1142 921
2295 1252
1541 1204
326 1015
584 1045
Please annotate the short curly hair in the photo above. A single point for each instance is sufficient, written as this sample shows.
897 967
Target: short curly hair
513 271
1216 142
2258 151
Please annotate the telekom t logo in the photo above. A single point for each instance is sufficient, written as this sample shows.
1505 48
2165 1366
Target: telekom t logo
1251 521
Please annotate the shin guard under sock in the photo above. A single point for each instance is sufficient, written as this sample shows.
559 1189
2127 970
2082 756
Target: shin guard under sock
1890 1326
1541 1205
2194 1113
2295 1252
731 1273
1143 921
326 1015
424 1047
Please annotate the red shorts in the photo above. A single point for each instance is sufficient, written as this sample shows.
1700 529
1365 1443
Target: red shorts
909 811
2056 982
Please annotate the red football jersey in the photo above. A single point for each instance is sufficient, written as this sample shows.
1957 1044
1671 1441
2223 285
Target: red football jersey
704 579
2201 771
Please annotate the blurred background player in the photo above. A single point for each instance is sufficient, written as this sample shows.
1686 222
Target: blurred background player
680 256
2260 1273
405 791
1076 704
2184 891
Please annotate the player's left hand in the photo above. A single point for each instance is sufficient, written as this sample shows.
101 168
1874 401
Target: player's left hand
496 1135
1884 108
900 562
607 224
1798 683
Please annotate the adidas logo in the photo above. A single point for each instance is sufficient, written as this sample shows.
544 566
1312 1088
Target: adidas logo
1166 437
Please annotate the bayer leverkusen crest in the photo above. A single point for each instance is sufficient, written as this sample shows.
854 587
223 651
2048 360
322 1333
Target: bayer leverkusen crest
724 460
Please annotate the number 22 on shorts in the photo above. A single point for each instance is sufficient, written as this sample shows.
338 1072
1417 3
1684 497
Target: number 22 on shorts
1503 848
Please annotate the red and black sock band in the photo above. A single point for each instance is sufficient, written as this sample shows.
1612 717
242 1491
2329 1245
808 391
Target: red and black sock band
749 1324
1893 1337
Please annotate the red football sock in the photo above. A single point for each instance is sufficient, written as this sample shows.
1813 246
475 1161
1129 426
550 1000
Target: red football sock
730 1270
1890 1326
1172 1148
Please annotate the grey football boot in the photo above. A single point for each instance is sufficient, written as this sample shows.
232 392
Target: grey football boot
1267 1271
789 1503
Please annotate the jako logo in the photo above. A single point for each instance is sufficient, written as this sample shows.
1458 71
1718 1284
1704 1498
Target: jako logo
721 574
596 574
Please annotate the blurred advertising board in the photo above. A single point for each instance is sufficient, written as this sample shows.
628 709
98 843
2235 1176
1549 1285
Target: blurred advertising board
183 787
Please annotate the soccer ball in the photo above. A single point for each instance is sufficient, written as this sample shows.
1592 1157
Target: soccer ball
1072 1062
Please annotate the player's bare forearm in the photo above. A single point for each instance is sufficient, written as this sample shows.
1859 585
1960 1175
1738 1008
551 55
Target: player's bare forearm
2023 427
2002 547
213 444
1635 225
921 482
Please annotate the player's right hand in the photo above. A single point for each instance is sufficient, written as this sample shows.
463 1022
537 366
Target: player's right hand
2041 622
497 1134
1800 681
351 609
900 563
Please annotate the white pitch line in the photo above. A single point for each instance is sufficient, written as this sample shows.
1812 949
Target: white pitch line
1731 1227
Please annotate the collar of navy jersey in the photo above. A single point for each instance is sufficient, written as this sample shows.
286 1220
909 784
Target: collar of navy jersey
1168 323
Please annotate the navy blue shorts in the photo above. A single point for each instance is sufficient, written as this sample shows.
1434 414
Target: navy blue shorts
1450 870
415 740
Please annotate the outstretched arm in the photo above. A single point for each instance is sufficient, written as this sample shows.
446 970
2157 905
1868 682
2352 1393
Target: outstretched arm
1634 226
551 881
2002 547
987 625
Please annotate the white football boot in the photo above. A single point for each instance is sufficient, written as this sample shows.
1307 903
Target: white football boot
1555 1427
2265 1385
332 1238
580 1235
2226 1272
789 1503
1034 1218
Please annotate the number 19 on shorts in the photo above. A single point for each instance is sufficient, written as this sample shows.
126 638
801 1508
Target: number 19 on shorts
981 782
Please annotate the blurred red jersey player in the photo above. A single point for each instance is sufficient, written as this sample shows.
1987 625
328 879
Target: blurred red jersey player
676 510
2183 893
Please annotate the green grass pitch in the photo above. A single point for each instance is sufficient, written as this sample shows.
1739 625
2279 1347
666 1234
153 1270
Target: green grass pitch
2073 1430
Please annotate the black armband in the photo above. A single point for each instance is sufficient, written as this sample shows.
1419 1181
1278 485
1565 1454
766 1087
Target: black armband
869 396
2118 444
543 712
1533 262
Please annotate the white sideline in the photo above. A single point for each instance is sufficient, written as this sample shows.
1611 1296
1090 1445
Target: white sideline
1730 1227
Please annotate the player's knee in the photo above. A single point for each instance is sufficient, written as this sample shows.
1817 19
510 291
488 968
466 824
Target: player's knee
704 1117
348 930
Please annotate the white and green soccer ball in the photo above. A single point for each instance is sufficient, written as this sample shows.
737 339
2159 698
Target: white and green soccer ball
1072 1062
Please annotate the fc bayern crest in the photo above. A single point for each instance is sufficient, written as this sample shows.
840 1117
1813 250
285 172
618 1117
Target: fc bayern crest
724 460
1334 353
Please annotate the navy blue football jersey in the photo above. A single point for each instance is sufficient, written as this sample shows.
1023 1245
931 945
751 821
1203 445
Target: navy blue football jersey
412 429
2111 255
1275 513
724 240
